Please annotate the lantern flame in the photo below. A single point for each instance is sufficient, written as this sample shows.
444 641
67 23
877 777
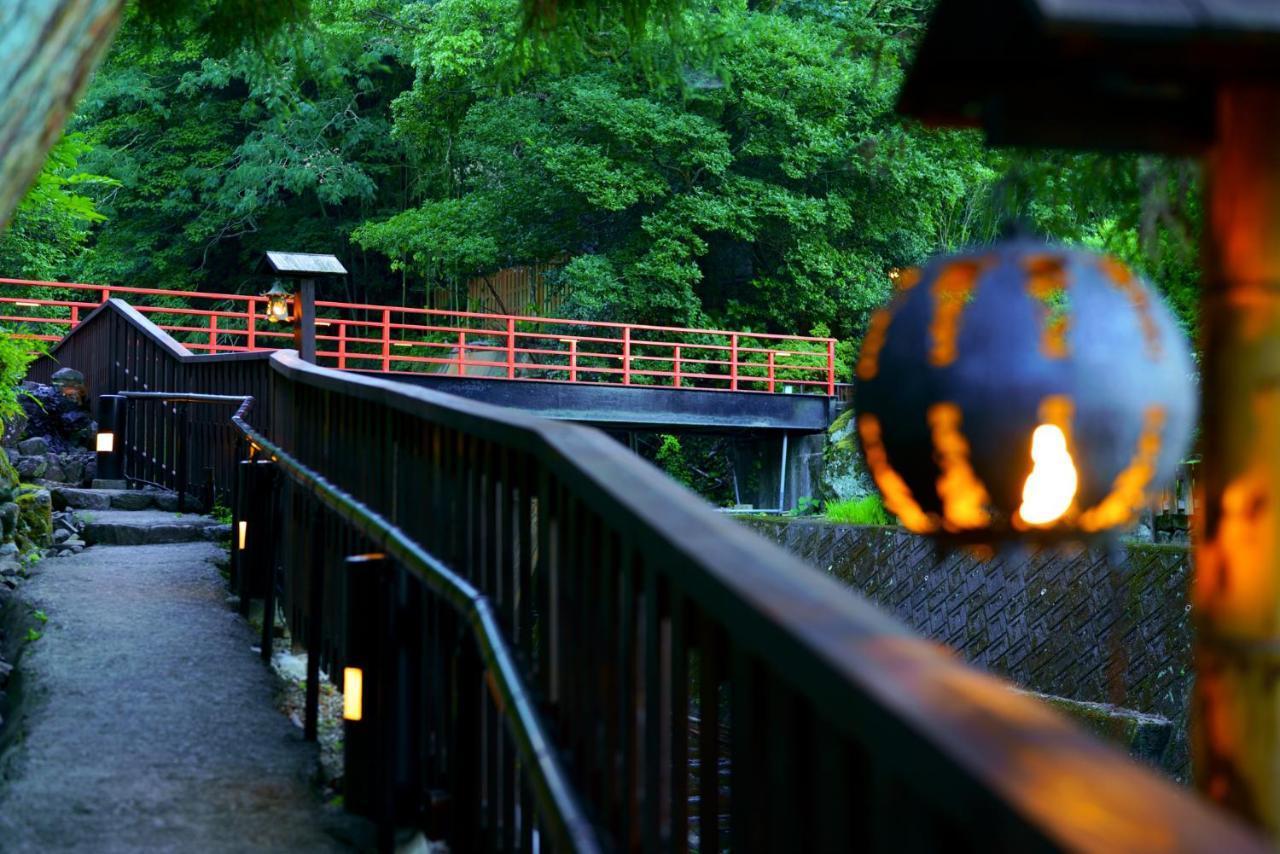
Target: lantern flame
1051 486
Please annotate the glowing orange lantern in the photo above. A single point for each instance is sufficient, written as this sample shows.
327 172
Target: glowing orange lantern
1023 390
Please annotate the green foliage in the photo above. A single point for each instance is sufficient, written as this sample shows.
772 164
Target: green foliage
15 356
51 225
869 510
221 513
33 636
806 506
283 144
735 165
40 616
670 458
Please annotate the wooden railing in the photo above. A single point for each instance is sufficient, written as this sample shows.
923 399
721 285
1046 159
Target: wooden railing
397 339
631 608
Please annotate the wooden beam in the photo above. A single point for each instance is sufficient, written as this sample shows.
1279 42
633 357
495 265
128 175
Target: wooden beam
1236 587
48 52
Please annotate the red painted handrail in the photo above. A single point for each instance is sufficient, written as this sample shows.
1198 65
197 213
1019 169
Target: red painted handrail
401 339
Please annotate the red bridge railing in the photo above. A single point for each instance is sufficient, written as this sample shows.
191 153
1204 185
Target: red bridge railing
400 339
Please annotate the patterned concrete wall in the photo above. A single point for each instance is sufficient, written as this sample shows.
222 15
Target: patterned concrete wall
1068 625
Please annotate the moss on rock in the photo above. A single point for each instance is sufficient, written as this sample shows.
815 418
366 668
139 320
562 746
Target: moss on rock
844 477
35 518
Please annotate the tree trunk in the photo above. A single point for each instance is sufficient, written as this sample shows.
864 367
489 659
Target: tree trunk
48 51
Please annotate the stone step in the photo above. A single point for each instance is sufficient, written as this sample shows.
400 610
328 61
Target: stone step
148 527
115 499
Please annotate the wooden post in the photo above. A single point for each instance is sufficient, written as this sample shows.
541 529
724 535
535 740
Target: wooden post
304 321
1236 588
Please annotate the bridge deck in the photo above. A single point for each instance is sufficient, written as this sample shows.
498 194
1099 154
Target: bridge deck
643 407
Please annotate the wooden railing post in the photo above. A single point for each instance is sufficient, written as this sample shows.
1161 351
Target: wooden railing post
251 324
462 353
573 360
213 333
342 346
675 365
511 348
771 373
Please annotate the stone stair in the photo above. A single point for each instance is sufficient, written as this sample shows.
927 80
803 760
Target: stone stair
135 517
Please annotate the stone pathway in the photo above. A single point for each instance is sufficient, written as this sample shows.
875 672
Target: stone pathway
149 722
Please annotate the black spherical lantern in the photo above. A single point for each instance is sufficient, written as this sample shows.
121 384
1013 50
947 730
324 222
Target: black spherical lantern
1024 390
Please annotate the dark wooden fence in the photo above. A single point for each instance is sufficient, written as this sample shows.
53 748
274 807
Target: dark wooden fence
122 351
629 607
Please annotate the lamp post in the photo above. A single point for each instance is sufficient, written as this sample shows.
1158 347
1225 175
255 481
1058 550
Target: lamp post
1204 78
306 268
109 442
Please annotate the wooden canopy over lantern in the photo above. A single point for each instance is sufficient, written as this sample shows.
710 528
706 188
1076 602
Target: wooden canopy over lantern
1173 76
1115 74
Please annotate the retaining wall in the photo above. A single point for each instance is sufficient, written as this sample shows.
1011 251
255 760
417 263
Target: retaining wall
1069 625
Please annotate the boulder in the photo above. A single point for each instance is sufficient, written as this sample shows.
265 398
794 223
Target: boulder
53 469
844 476
73 468
36 446
35 518
70 384
30 468
8 520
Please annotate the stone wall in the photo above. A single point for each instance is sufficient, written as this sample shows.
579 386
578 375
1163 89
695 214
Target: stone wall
1068 625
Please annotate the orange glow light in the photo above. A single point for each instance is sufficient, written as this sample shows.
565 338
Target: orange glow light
352 693
1052 484
106 443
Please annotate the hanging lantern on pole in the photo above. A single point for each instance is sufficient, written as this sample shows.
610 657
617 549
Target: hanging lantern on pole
279 304
1022 391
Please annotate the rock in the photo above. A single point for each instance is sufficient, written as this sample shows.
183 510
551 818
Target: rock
6 670
66 520
60 535
9 521
30 468
168 501
10 567
53 469
36 446
9 549
73 469
81 499
70 384
61 420
35 518
134 499
843 476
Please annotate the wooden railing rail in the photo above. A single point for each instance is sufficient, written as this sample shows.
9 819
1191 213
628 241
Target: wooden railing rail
633 610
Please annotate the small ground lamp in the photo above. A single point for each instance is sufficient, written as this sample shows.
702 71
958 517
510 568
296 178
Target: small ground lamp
109 441
1023 390
306 268
279 304
1172 76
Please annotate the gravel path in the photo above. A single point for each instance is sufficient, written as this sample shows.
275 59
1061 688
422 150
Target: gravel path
151 726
